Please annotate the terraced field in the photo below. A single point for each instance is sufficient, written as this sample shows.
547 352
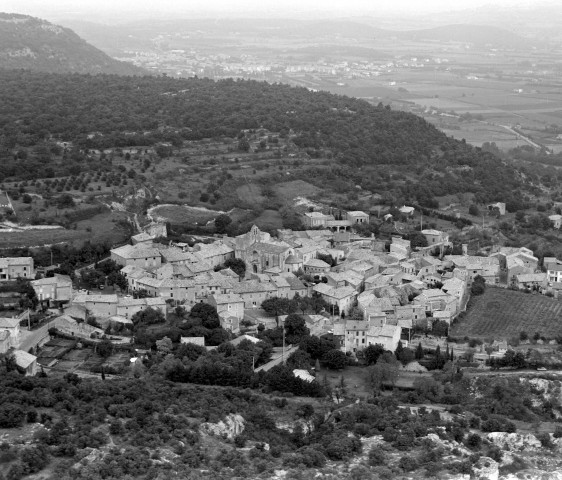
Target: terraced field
502 314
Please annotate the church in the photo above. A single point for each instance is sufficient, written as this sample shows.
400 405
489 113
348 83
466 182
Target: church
261 253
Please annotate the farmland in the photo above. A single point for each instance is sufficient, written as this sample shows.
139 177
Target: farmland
503 314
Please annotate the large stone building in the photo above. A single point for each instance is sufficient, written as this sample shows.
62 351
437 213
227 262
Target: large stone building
260 252
12 268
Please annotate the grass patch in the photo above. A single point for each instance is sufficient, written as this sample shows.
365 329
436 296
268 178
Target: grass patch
269 220
503 314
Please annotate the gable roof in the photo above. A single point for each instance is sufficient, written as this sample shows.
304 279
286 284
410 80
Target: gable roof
23 359
6 322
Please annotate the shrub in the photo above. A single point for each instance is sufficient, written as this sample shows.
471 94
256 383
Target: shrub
474 441
408 463
376 457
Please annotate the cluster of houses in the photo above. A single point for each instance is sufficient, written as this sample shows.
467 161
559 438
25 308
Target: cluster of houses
392 291
375 294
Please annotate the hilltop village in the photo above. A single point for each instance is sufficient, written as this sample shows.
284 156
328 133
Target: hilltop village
357 291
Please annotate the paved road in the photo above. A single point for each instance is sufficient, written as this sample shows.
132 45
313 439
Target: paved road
30 339
277 359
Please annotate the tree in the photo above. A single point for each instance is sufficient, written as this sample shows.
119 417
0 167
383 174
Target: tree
335 359
164 345
478 285
440 328
317 303
398 351
406 356
372 353
148 316
419 352
473 210
295 328
316 347
243 144
385 371
276 306
221 222
207 313
237 265
105 348
417 239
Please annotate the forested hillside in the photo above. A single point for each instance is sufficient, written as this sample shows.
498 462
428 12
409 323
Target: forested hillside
35 44
111 111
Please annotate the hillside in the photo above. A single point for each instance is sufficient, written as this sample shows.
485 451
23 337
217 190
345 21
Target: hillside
400 150
476 34
35 44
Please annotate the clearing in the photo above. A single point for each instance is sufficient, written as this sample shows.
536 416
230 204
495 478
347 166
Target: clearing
503 314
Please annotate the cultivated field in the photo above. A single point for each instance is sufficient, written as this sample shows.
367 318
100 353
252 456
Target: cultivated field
183 214
503 314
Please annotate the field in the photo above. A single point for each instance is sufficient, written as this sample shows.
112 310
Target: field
31 238
183 214
503 314
100 228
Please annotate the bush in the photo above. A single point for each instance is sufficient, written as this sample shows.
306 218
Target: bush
408 463
376 457
474 441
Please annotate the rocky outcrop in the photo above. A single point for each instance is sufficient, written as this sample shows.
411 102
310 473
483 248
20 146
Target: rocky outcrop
533 475
516 442
232 426
307 427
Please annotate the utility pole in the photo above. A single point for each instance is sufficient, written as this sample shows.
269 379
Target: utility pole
283 354
421 222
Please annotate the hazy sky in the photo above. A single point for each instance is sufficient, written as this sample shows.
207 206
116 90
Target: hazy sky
286 8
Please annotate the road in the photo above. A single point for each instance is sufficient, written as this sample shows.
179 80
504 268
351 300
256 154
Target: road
277 358
522 137
33 338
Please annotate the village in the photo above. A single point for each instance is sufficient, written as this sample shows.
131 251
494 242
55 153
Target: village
369 292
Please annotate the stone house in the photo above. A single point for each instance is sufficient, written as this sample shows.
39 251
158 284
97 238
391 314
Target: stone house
53 289
12 268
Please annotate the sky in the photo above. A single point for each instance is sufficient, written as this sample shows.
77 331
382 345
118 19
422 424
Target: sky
92 9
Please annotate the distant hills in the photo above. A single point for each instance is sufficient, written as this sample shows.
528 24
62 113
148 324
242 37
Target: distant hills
475 34
34 44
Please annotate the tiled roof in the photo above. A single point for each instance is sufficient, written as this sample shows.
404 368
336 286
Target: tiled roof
252 286
316 263
7 261
225 298
9 322
293 281
95 298
136 251
24 359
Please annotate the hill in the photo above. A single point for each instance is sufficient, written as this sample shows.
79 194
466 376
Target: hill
35 44
380 149
476 34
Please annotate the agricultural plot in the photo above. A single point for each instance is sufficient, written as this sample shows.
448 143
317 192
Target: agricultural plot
32 238
183 214
503 314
